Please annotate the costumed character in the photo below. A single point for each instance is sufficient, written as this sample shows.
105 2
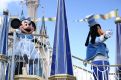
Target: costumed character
97 51
25 51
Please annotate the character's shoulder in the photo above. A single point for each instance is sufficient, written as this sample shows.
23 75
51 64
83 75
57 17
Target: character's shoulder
24 36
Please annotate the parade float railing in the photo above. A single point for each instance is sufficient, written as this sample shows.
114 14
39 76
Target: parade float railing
22 66
81 72
85 73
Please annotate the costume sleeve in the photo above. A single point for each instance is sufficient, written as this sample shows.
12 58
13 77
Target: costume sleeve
100 39
104 37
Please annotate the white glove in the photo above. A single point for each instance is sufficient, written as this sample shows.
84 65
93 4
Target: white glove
104 37
108 34
85 63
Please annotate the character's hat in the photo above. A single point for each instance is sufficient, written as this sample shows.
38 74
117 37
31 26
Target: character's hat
23 18
91 20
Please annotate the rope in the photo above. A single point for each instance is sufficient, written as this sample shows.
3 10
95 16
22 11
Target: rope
114 65
108 15
90 71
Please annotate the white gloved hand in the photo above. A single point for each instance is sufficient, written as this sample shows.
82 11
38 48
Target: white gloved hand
104 37
85 63
108 34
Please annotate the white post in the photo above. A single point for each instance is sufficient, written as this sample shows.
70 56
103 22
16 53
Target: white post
13 64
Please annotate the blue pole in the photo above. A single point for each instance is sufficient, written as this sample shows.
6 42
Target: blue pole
118 46
61 57
3 46
13 61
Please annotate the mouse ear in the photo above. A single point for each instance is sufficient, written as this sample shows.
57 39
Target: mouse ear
15 23
33 25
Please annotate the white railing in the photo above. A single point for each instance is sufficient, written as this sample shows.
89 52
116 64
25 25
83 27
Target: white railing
85 73
40 64
30 58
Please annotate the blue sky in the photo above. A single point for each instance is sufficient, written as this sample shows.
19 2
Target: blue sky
76 9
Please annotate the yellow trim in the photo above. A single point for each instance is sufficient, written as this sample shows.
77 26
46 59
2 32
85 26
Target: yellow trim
27 77
62 76
118 20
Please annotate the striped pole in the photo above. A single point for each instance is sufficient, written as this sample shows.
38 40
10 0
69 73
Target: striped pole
4 46
61 67
118 46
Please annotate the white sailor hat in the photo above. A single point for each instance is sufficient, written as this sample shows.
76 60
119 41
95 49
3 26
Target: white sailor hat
91 20
23 18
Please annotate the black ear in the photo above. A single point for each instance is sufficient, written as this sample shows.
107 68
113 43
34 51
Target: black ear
33 25
15 23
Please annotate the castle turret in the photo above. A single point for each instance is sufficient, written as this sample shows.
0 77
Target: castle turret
45 49
43 31
32 6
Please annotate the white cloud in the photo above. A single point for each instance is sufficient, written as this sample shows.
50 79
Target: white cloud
4 4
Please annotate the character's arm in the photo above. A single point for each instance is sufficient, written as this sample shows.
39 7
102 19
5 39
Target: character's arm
85 63
104 37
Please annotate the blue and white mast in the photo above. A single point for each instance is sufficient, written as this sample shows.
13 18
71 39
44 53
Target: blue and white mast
61 67
118 47
4 46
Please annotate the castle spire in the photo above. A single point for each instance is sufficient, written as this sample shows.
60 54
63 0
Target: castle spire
22 4
32 6
43 31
